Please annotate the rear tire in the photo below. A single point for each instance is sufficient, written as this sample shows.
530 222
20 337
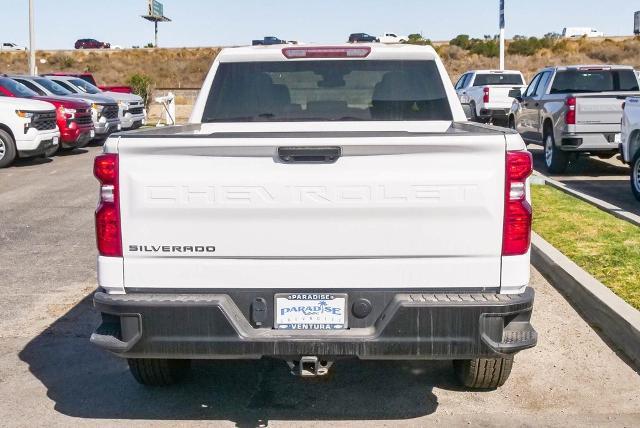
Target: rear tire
635 175
483 373
158 372
474 112
8 151
52 151
555 159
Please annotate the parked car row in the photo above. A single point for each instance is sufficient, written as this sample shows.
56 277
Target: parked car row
40 115
353 38
385 38
569 110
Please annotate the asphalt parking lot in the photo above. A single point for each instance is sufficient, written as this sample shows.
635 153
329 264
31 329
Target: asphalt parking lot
605 179
51 375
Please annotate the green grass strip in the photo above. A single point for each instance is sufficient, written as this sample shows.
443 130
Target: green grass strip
603 245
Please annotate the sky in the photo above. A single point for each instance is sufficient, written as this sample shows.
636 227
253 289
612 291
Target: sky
225 23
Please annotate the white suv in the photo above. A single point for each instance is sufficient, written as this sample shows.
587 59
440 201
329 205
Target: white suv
27 128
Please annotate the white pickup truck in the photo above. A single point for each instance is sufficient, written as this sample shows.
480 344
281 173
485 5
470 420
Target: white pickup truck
484 94
27 128
630 145
324 203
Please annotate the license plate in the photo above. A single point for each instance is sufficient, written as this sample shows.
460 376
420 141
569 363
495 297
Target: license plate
310 311
617 138
93 133
55 141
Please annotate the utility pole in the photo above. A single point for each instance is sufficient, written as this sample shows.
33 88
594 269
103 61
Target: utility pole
502 34
32 41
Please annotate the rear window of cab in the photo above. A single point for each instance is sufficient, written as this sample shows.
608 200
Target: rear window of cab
325 90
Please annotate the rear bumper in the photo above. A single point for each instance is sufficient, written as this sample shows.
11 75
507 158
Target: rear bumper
419 325
500 112
589 142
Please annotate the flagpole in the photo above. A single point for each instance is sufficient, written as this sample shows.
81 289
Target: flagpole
502 34
32 41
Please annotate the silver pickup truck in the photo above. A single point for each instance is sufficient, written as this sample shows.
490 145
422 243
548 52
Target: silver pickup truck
572 110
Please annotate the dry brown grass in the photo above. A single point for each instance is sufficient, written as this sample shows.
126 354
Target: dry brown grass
170 68
565 52
186 68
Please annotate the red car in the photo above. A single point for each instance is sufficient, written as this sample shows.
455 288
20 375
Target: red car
88 77
73 116
91 44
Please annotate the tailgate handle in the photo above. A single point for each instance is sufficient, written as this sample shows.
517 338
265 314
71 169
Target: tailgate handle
309 154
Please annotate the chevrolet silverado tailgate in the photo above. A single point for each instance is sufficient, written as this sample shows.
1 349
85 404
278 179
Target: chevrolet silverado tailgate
598 113
394 210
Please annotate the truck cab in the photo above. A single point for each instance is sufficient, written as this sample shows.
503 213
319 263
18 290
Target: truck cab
267 41
574 110
88 77
484 94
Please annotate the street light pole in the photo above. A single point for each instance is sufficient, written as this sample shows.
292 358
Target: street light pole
502 34
32 41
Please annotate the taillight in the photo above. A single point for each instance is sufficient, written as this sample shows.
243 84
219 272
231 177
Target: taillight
516 234
485 98
326 52
570 119
108 232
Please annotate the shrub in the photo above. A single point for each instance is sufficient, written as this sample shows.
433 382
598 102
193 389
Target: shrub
530 46
417 39
488 47
141 85
462 41
62 61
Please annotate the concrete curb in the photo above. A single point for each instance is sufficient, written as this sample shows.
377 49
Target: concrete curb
598 203
605 311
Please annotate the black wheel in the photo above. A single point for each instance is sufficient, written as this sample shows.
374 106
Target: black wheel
52 151
8 150
483 373
635 175
555 159
158 372
474 112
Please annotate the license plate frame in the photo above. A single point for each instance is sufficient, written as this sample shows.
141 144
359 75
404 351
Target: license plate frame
310 311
